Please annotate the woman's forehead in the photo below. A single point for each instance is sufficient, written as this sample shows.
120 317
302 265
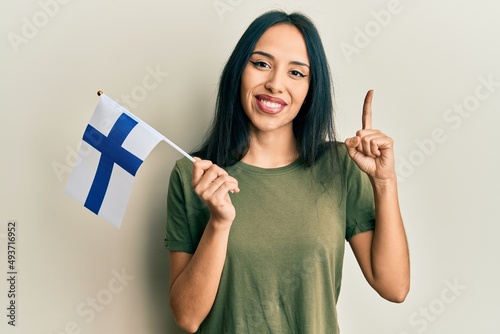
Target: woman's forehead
283 40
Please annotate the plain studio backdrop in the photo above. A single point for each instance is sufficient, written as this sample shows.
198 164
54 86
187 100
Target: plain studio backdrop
436 74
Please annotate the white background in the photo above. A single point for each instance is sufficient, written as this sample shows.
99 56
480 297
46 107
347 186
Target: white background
423 60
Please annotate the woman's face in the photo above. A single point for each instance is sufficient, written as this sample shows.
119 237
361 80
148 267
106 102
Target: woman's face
275 81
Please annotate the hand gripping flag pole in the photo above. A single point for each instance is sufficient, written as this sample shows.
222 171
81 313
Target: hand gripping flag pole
115 144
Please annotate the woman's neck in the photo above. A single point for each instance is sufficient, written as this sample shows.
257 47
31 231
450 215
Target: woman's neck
271 150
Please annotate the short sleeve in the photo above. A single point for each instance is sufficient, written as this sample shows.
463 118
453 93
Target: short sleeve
360 205
178 235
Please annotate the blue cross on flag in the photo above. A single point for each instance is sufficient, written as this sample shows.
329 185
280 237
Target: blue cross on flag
115 143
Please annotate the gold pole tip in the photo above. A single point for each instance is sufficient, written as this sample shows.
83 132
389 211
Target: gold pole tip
99 93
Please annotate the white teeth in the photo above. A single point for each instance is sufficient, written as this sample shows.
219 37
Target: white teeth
270 104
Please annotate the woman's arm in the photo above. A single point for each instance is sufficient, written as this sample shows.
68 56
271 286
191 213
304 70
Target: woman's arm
194 278
383 253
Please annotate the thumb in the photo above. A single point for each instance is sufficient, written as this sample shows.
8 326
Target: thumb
351 144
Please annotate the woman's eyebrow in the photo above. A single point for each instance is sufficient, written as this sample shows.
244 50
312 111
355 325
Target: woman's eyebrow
270 56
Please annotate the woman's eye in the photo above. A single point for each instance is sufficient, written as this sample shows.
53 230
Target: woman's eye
260 64
297 74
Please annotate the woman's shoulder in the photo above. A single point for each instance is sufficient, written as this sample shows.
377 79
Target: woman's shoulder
334 156
182 169
333 150
183 164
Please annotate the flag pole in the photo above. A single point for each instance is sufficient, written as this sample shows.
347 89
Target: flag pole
180 150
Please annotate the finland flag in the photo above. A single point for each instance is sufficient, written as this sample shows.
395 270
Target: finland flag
115 143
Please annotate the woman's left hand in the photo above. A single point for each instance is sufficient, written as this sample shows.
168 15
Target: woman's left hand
371 149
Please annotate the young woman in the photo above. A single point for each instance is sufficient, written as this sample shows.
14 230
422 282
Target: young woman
256 230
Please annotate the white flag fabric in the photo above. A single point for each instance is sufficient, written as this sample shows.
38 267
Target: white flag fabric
115 143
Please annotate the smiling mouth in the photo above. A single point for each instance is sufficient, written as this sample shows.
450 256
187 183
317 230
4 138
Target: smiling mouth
270 105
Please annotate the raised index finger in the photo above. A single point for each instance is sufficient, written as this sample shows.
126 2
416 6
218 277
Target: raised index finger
367 110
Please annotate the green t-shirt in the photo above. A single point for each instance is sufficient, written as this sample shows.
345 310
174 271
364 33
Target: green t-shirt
283 266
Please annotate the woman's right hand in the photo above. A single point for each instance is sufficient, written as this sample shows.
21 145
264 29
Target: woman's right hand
212 184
